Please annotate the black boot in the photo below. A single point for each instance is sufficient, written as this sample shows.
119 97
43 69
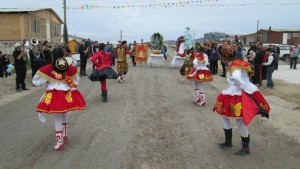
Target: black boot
104 96
228 139
245 146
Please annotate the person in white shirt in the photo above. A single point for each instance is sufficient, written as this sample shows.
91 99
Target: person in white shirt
269 64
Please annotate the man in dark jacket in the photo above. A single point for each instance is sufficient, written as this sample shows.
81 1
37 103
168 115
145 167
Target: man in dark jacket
84 53
258 60
37 58
20 57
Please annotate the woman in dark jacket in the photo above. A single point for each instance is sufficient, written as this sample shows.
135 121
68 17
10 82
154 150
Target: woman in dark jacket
213 61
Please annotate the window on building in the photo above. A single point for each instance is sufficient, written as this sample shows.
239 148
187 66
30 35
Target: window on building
36 26
56 30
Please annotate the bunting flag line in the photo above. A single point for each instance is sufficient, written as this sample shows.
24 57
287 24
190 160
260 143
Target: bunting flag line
151 5
197 3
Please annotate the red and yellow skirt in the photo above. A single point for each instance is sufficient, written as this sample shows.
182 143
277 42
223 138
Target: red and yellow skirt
200 76
58 101
241 106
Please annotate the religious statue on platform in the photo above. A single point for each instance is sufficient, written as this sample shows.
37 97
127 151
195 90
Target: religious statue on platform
156 43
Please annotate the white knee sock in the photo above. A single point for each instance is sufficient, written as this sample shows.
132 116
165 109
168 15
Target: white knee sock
195 85
226 122
58 122
200 87
242 128
64 118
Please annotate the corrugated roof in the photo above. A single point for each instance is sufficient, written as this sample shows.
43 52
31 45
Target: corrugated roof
21 10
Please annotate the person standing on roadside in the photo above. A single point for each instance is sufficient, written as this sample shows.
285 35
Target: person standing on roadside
133 53
294 53
20 56
37 58
269 64
84 51
259 57
213 61
276 56
95 49
113 55
47 52
1 64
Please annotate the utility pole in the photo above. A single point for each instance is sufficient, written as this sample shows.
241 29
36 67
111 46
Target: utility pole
65 35
121 36
257 30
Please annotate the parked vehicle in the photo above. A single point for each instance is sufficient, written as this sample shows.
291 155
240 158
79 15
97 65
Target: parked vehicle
285 52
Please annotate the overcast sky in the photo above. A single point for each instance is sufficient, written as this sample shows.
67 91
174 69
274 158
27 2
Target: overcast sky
140 23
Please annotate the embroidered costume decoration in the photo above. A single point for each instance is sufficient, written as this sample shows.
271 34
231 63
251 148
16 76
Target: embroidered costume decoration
70 81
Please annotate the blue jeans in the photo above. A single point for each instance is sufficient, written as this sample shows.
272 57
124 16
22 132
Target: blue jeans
293 62
269 74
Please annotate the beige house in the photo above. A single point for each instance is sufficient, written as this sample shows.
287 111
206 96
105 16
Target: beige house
18 24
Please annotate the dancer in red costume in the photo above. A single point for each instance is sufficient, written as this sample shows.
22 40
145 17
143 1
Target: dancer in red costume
241 100
61 94
103 71
199 74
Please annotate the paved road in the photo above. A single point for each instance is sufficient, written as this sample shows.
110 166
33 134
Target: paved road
149 122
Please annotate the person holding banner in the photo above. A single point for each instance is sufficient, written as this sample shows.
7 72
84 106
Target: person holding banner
241 100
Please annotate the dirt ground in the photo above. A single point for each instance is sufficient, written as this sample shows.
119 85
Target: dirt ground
149 122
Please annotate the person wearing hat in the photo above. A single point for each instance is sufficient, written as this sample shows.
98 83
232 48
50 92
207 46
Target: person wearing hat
122 64
47 51
199 74
188 62
37 58
241 100
185 50
61 95
20 56
103 71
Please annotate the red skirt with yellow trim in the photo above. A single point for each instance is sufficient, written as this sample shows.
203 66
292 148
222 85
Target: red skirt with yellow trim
245 105
58 101
200 76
